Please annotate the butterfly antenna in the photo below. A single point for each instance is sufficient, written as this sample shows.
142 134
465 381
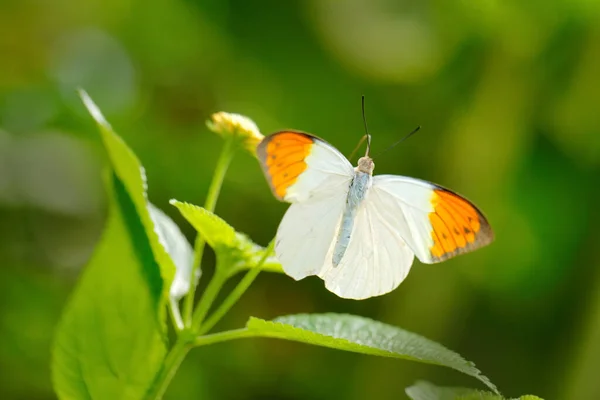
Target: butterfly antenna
366 128
400 141
360 142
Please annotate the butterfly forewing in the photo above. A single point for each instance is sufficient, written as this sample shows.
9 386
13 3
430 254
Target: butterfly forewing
437 223
298 165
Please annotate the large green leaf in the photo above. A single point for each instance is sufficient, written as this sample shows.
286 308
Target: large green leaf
363 335
427 391
131 172
112 337
239 250
111 340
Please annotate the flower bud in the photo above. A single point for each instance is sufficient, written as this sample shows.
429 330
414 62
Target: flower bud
238 126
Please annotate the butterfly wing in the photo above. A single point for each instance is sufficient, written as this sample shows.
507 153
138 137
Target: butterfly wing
298 165
377 258
306 234
402 217
312 175
436 223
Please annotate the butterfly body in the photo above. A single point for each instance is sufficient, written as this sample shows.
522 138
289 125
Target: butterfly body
361 183
359 232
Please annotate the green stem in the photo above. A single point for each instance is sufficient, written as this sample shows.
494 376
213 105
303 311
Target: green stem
175 314
170 366
208 297
211 201
184 340
224 336
183 345
236 293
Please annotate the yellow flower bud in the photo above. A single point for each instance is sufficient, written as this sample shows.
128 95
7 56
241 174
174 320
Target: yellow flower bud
239 126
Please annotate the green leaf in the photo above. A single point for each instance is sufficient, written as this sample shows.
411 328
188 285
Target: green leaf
130 171
363 335
218 234
111 340
238 249
422 390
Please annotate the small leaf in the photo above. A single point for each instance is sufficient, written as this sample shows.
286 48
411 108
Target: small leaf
423 390
217 233
239 250
363 335
130 171
111 340
178 248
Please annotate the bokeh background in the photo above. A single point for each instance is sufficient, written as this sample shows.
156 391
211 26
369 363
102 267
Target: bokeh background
507 94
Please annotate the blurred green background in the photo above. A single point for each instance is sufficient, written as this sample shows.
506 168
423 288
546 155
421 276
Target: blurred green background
507 95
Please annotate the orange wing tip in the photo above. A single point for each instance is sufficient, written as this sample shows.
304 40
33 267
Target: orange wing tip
283 159
458 227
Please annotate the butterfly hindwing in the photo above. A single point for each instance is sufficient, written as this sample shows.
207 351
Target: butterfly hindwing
376 261
306 234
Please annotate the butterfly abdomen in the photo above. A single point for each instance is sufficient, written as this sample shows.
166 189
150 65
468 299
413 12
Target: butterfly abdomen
357 193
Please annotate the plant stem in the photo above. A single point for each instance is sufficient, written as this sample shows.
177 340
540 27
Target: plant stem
236 293
224 336
211 201
175 314
170 366
208 297
185 341
183 345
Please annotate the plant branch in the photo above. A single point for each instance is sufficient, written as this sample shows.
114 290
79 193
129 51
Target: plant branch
170 366
236 293
211 201
208 297
224 336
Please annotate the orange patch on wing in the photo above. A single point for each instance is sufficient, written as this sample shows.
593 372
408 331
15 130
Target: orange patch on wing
455 224
443 242
285 155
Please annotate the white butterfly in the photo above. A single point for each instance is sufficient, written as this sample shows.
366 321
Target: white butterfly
357 232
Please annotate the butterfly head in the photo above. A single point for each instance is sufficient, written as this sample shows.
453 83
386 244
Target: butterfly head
366 165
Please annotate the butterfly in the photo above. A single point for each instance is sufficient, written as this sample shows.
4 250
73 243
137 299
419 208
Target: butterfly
359 232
